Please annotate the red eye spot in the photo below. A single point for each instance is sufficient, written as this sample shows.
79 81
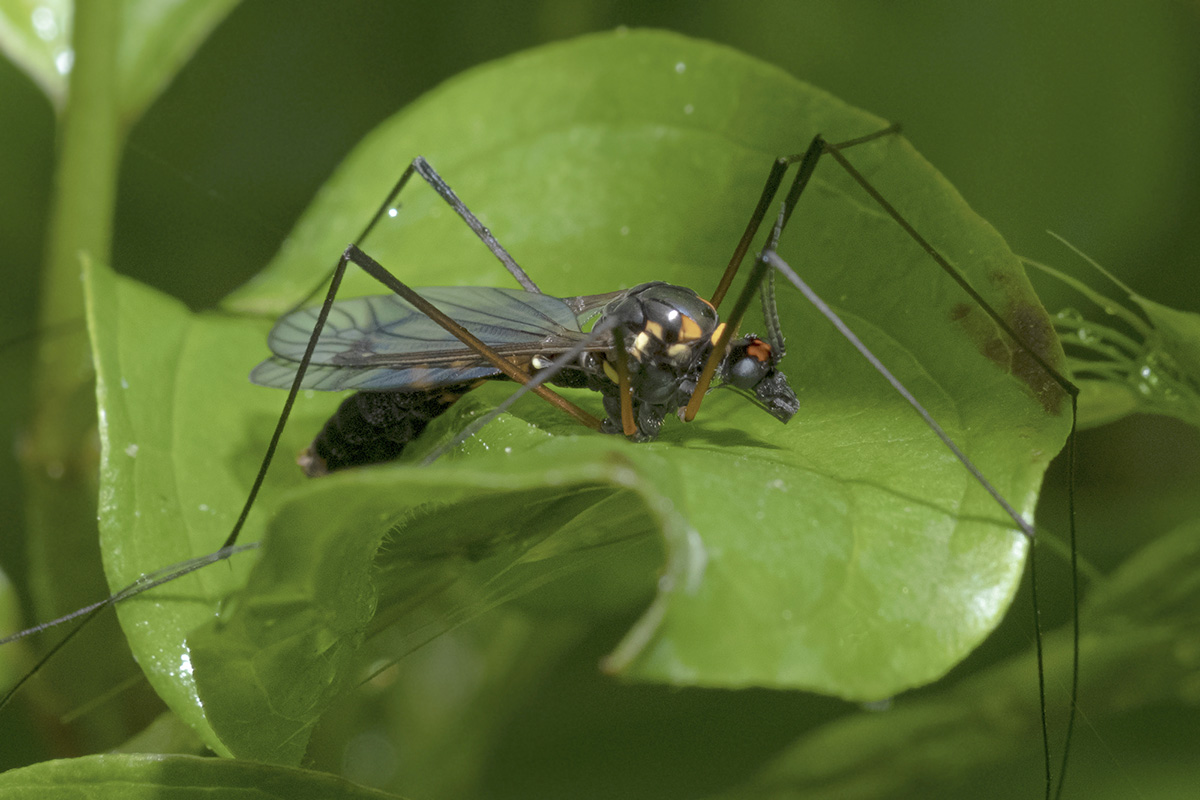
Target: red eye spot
760 350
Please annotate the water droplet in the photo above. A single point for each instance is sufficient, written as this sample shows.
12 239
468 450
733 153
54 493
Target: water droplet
131 451
45 24
64 60
185 664
624 230
393 212
689 108
1070 316
681 67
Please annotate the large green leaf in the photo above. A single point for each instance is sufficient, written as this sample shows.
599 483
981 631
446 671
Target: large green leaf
129 777
846 553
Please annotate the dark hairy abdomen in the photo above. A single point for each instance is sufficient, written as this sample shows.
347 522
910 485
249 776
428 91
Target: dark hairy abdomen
370 427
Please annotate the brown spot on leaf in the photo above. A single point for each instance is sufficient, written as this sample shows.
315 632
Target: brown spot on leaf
1037 332
1031 323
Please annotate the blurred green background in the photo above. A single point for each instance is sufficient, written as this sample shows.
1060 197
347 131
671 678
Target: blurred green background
1081 118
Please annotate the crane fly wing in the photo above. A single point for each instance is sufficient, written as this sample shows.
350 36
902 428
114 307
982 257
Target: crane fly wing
364 331
588 306
278 373
381 342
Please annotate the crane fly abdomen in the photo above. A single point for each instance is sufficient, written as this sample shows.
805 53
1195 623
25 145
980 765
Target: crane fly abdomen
373 427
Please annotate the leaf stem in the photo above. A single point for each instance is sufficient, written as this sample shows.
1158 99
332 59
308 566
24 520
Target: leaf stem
58 455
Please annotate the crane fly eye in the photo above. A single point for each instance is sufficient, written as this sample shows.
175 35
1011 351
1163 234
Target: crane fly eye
747 371
749 362
757 348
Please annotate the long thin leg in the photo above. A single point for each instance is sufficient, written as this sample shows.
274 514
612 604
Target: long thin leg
421 167
446 193
628 425
335 283
808 162
88 613
772 258
770 189
1072 392
427 173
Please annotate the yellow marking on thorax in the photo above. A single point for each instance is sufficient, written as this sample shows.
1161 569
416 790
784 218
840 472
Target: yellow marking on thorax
640 343
689 329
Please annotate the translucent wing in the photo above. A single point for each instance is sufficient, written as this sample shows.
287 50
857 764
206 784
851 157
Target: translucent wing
382 342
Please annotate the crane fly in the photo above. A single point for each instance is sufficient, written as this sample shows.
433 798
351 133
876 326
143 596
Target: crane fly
411 363
651 351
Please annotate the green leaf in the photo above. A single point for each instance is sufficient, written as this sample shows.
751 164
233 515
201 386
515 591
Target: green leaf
1154 371
156 39
165 424
129 777
1144 621
847 553
36 36
1170 373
